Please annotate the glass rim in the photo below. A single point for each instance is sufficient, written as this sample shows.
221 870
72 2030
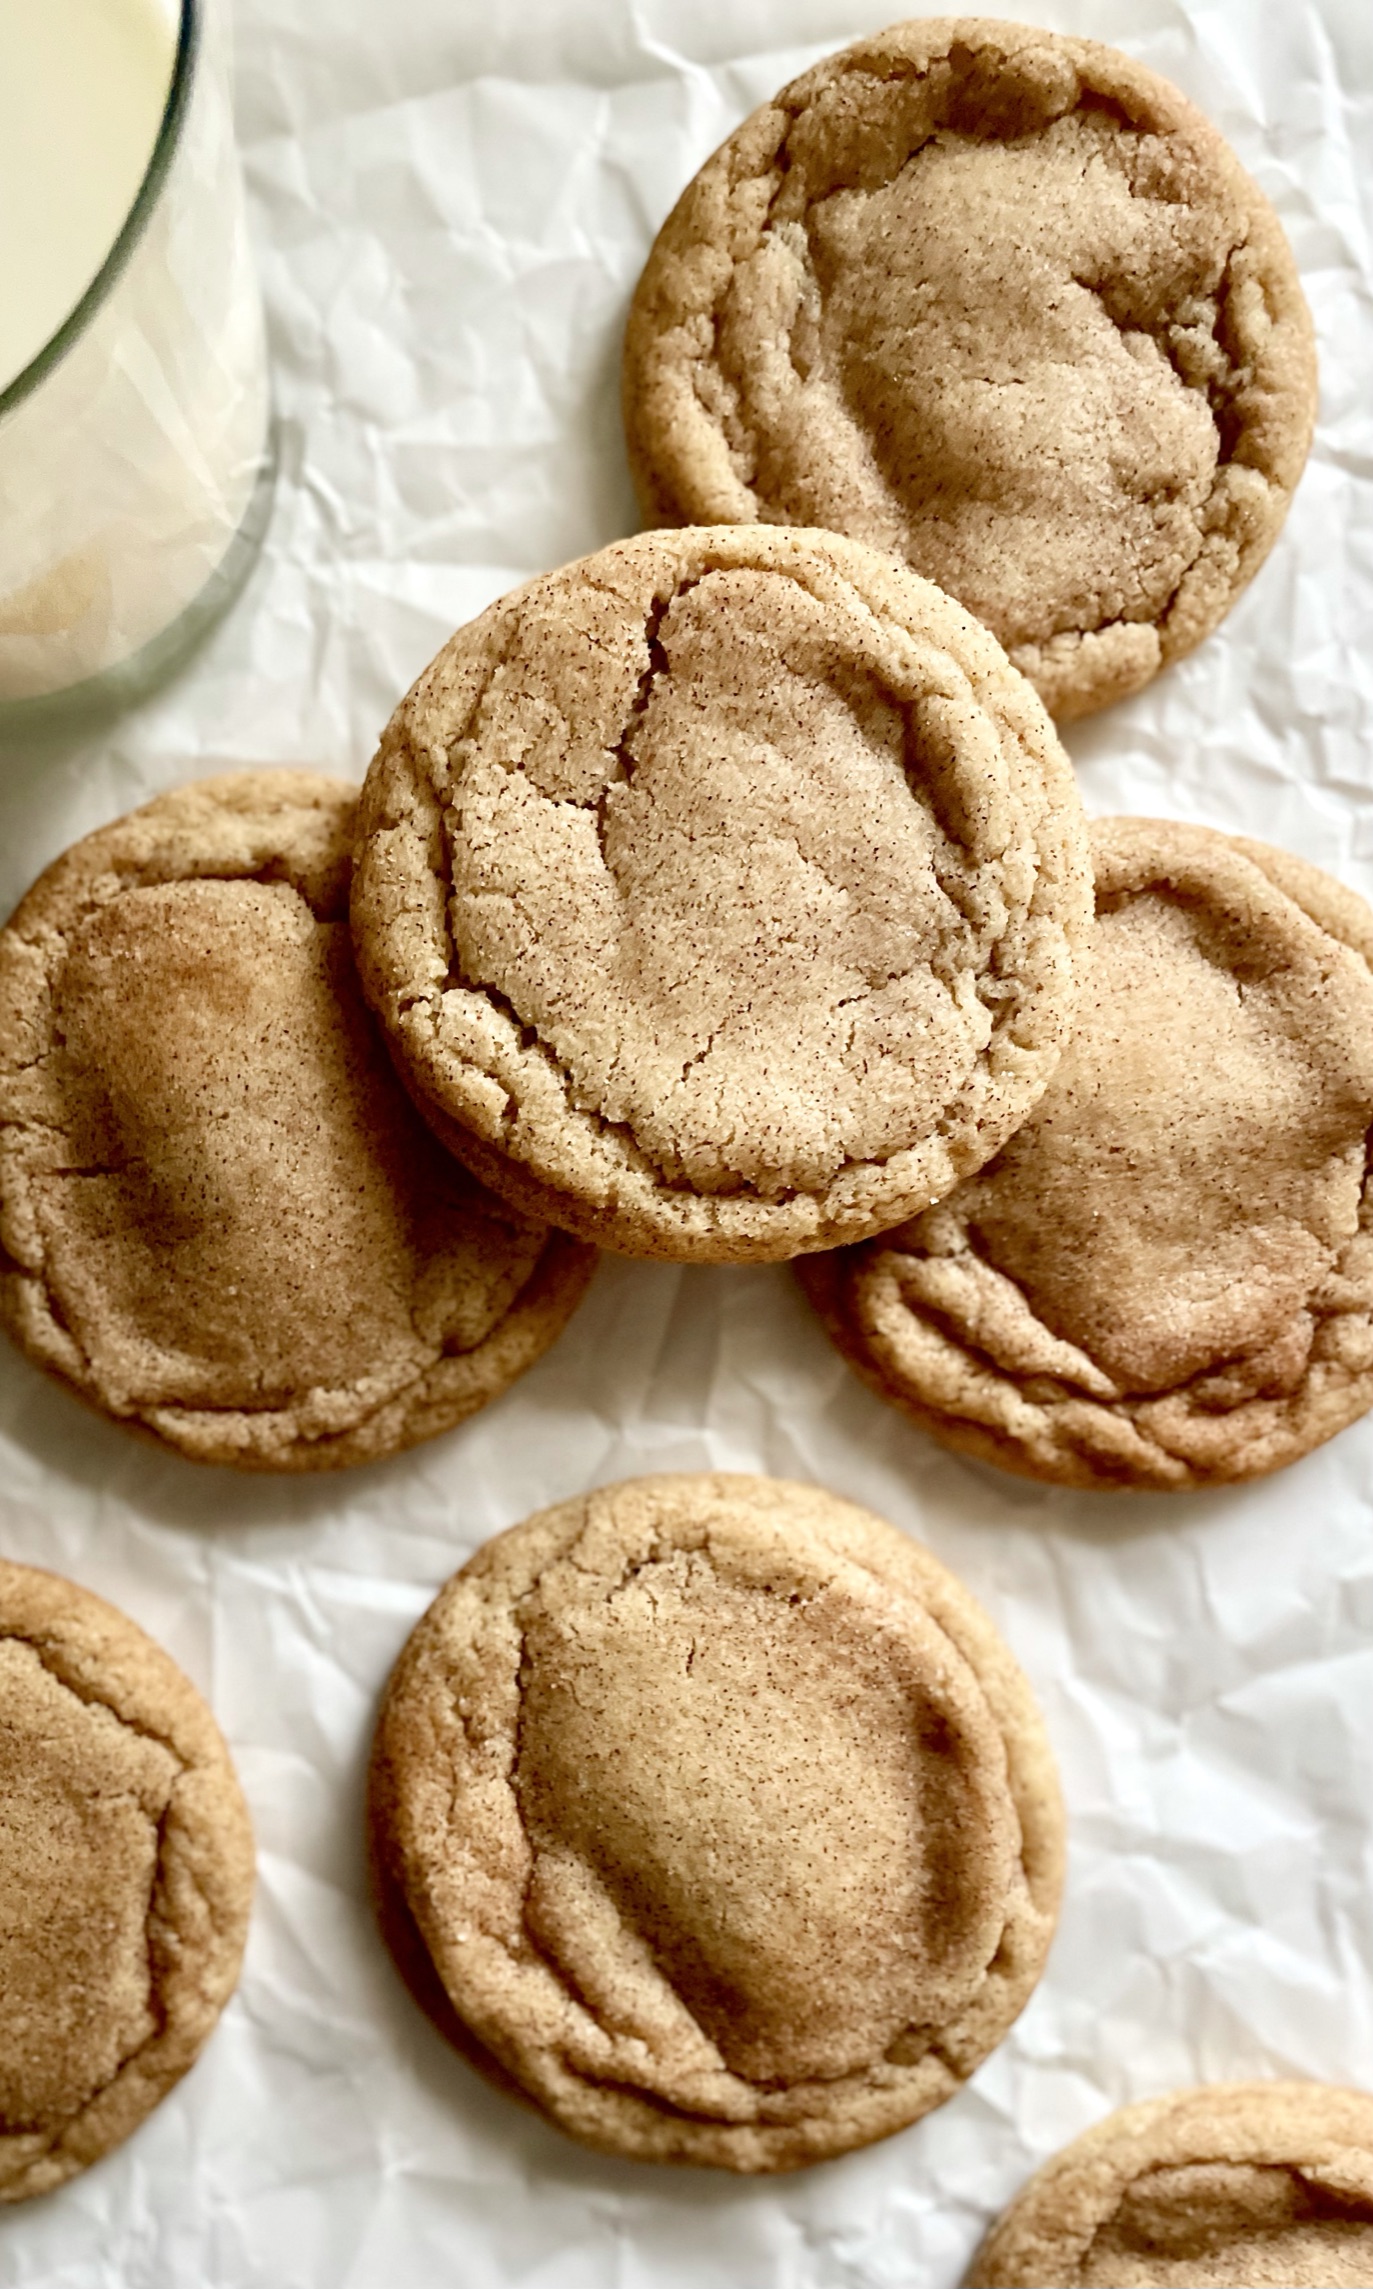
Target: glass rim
135 222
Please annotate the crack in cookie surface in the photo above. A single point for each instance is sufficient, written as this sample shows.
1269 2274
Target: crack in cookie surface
760 855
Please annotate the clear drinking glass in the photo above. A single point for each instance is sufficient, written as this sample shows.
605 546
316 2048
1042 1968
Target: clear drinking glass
136 451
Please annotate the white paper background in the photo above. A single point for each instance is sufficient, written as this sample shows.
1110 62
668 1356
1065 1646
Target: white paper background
453 199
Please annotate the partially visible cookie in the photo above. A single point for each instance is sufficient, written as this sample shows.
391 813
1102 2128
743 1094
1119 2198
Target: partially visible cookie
720 894
1242 2184
220 1220
1000 301
126 1877
724 1818
1165 1279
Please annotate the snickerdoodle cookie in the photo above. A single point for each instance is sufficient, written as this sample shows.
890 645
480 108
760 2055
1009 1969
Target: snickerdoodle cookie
126 1876
1005 303
725 1817
1242 2184
220 1219
720 894
1165 1279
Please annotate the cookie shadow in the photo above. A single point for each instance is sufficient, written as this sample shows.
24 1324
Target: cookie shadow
74 1443
460 2076
962 1494
612 502
1099 1519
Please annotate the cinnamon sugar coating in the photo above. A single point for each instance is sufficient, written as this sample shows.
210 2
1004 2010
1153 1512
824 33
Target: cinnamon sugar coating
126 1877
724 1816
1002 302
1165 1279
220 1220
720 894
1239 2186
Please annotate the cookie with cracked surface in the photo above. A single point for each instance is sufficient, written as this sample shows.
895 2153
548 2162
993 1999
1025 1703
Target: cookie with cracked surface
221 1221
724 1816
1005 303
1242 2184
126 1877
720 894
1165 1279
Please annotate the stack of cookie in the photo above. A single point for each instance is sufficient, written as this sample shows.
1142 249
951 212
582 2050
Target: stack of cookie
726 897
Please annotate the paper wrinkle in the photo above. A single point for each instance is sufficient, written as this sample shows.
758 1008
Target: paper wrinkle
451 208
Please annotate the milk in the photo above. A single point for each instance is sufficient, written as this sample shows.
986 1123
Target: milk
83 86
132 457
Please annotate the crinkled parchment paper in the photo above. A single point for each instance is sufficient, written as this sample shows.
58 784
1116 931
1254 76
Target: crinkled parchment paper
452 200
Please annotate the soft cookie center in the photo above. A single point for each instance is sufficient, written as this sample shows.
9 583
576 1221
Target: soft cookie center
1197 1161
753 944
81 1797
240 1221
810 1837
1000 364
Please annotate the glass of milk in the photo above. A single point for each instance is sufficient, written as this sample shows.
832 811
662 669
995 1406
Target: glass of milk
135 418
